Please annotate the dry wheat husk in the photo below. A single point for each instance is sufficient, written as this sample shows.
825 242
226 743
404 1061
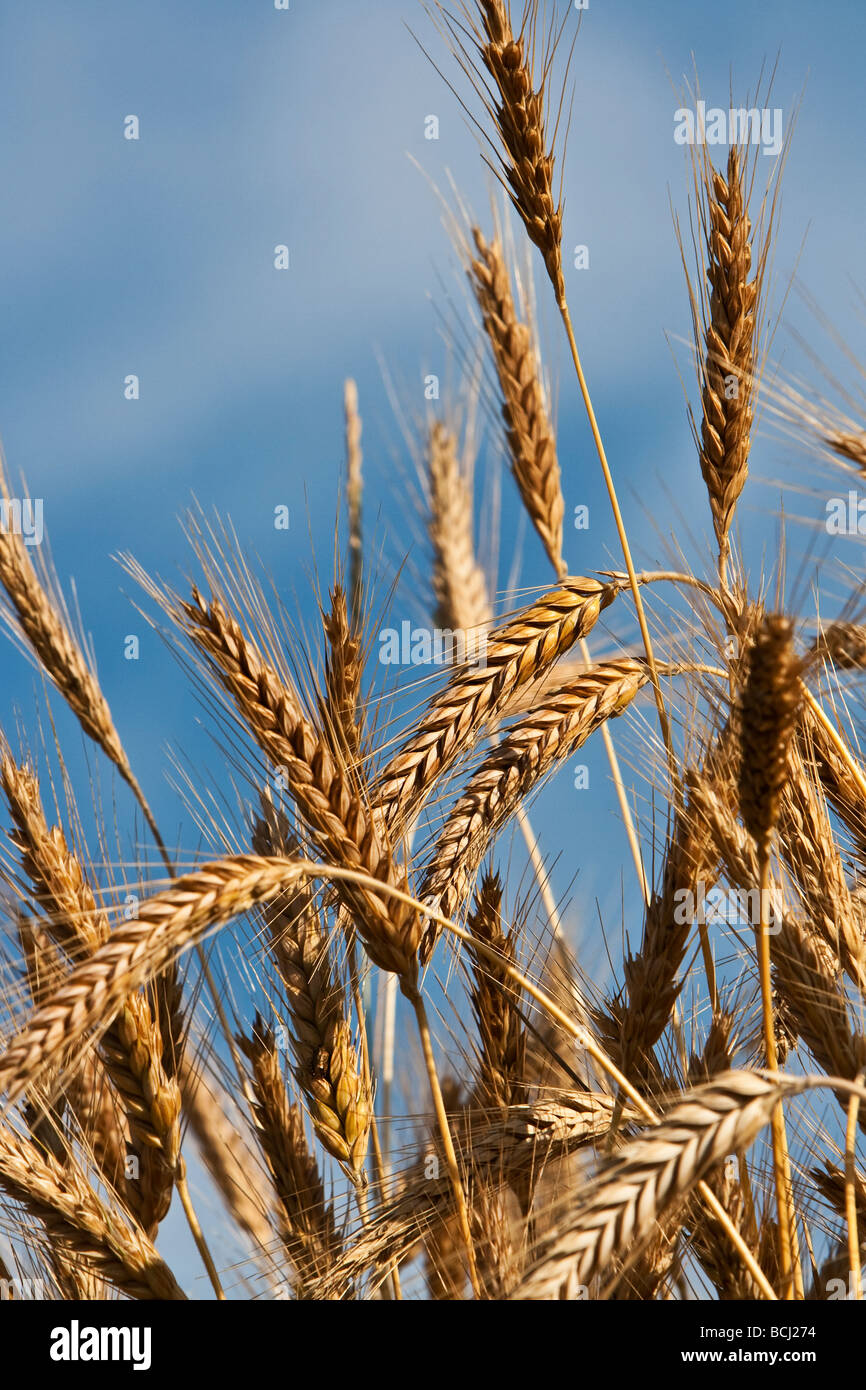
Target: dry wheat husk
323 789
78 1223
517 103
167 924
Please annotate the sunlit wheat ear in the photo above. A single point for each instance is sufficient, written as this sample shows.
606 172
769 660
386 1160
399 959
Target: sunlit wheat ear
501 1079
529 751
326 1064
459 583
510 1149
132 1044
511 72
80 1224
768 713
136 952
529 433
726 309
324 791
619 1211
516 654
38 614
307 1223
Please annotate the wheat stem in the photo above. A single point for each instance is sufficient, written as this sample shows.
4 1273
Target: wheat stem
664 723
788 1256
195 1228
851 1193
445 1131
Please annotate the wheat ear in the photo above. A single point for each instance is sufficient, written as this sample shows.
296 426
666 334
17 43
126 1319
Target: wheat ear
517 654
323 790
85 1229
528 752
728 327
517 105
132 1044
167 924
529 433
308 1228
621 1207
326 1065
459 583
501 1079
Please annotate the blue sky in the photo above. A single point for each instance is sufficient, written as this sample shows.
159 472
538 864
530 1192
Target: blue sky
260 127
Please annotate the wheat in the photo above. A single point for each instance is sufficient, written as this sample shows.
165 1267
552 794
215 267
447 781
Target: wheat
501 1031
517 106
531 441
729 329
80 1225
132 1044
459 584
619 1210
323 790
514 768
167 924
517 654
326 1068
308 1227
